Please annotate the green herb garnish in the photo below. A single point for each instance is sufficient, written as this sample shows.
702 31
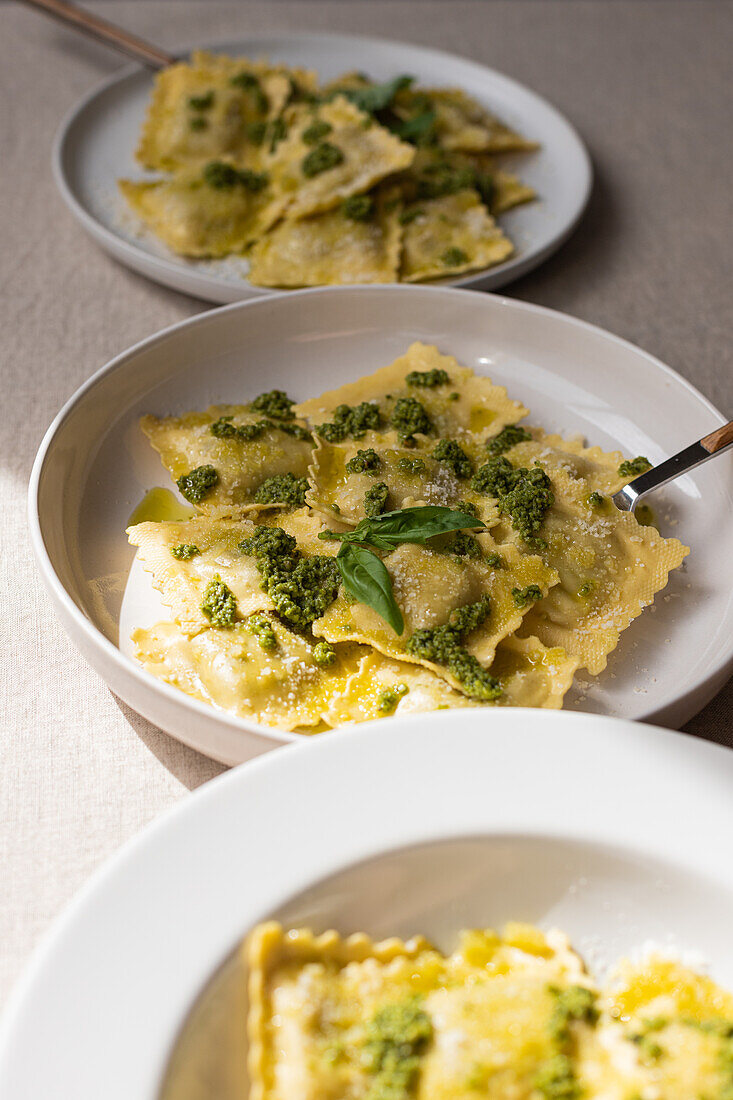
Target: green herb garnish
364 462
185 551
452 455
274 403
375 499
507 438
350 420
523 596
283 489
359 208
219 603
428 379
324 157
198 483
408 417
316 131
454 257
634 466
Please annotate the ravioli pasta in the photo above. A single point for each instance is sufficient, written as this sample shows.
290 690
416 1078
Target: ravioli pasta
349 181
536 575
513 1015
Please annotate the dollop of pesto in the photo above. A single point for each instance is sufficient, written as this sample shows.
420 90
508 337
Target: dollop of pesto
411 465
364 462
634 466
428 379
202 102
223 428
444 179
507 438
395 1038
596 499
524 495
443 645
375 499
464 545
454 257
317 130
324 655
350 420
467 507
283 489
198 483
198 122
225 177
219 603
256 132
408 417
185 551
388 699
324 157
358 207
278 131
300 587
248 82
452 455
261 627
556 1079
275 404
523 596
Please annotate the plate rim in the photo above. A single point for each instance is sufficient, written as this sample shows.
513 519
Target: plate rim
126 252
68 610
624 741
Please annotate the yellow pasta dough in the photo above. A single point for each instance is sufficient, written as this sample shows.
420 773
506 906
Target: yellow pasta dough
462 124
241 465
450 235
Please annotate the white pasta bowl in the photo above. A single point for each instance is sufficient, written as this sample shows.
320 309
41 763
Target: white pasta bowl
94 466
614 832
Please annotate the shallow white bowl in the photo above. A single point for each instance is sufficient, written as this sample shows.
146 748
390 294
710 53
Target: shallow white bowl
96 143
616 832
94 466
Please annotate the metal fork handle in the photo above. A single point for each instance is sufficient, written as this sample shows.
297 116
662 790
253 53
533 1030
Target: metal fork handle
105 32
713 444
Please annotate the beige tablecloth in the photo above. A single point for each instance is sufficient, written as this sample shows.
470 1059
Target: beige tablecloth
647 85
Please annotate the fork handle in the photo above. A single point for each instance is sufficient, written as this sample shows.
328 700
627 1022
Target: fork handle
105 32
682 463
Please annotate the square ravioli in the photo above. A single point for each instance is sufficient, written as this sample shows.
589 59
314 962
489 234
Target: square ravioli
455 610
203 556
196 217
357 243
333 1017
257 669
460 122
342 477
350 154
529 675
450 235
214 106
239 448
452 400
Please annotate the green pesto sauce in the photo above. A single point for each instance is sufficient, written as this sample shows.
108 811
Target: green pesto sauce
394 1040
452 455
464 545
324 157
317 130
160 505
596 499
388 699
282 489
274 403
358 207
248 82
428 379
198 122
585 590
324 655
411 465
408 417
185 551
202 102
198 483
219 604
467 507
632 467
225 177
364 462
223 428
524 495
350 420
375 499
507 438
261 627
301 588
443 179
278 131
454 257
256 132
556 1079
523 596
443 645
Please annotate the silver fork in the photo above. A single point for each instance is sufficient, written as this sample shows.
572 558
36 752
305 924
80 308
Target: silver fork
710 445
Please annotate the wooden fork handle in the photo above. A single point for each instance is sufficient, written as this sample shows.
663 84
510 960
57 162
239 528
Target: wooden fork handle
103 31
718 439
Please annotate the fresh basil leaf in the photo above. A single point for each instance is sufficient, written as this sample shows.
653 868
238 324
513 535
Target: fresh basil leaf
415 128
375 97
417 524
366 578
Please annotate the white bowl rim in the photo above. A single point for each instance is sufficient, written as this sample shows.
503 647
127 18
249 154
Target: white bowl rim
523 264
125 664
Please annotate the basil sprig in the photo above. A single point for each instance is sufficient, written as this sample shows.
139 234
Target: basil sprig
364 574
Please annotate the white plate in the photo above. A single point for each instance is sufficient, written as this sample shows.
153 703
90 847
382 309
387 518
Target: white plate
96 143
94 466
615 832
